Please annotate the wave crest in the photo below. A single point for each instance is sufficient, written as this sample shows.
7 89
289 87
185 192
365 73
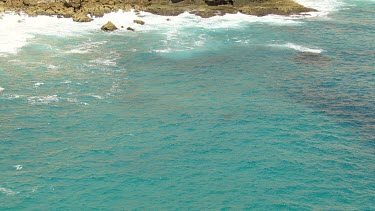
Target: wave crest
298 48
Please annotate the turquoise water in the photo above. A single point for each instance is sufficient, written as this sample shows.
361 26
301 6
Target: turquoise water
264 116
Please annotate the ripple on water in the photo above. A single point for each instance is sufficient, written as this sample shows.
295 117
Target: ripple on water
8 192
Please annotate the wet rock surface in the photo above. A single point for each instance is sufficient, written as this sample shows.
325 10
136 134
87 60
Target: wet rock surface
130 29
109 26
139 22
81 17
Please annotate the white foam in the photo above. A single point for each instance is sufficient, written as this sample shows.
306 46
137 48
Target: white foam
1 89
324 7
97 97
297 47
10 96
17 30
52 67
104 61
37 84
7 192
18 167
85 48
38 100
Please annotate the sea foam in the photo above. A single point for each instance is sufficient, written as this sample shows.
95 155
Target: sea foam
298 47
7 192
324 7
19 29
39 100
18 167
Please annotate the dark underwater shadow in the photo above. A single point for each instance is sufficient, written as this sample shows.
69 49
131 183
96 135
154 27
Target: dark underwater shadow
315 80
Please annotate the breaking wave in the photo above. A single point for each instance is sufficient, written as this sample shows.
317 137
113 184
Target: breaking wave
298 48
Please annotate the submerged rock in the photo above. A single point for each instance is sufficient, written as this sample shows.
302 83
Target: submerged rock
312 59
130 29
139 22
109 26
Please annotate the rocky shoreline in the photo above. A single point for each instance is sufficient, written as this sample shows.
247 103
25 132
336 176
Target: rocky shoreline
86 10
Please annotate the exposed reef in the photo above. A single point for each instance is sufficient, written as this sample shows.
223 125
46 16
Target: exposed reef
85 10
109 26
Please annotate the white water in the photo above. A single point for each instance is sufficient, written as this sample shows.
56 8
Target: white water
298 47
322 5
40 100
17 30
18 167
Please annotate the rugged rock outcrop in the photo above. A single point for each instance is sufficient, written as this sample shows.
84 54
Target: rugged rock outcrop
109 26
82 10
81 17
139 22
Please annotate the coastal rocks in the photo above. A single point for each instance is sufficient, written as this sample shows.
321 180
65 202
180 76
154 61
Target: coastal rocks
205 12
81 17
30 2
82 10
139 22
49 9
266 7
109 26
218 2
166 10
130 29
14 3
73 3
96 11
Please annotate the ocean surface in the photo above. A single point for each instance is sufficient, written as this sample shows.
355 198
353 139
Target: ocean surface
226 113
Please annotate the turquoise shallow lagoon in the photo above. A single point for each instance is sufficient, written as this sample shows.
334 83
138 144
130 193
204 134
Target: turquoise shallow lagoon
223 114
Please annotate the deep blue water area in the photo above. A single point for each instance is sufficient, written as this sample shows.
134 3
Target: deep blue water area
263 116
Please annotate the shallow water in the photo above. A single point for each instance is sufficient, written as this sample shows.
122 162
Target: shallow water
234 112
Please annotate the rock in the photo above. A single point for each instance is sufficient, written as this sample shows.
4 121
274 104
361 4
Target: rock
72 3
130 29
15 3
166 10
30 2
80 9
81 17
109 26
218 2
67 12
139 22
